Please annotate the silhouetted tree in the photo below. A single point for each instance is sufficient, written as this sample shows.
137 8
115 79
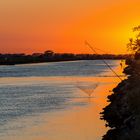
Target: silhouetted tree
134 43
49 53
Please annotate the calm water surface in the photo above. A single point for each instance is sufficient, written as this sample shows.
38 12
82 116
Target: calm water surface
49 101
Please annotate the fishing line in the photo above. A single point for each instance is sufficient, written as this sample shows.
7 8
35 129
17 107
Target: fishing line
91 47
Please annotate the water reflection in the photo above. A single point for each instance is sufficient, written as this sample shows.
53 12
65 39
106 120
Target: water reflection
70 116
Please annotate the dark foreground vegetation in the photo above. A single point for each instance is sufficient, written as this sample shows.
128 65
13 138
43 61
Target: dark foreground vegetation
50 56
123 113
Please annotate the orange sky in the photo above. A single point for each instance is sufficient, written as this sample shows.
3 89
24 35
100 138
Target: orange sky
63 25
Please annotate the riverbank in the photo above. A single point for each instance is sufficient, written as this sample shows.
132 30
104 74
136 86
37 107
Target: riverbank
123 113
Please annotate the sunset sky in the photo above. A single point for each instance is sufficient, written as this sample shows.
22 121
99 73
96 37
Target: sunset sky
63 25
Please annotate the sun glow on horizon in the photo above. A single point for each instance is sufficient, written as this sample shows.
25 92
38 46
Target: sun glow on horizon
35 26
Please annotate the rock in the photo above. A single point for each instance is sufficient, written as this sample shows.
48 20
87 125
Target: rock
122 115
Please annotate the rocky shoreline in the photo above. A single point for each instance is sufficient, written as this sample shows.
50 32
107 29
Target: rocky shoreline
122 115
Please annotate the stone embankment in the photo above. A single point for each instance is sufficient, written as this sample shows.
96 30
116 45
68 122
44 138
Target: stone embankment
122 115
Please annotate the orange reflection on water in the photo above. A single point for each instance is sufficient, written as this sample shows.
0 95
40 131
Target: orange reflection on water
80 122
76 123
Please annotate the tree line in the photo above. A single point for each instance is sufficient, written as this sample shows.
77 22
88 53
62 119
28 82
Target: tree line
50 56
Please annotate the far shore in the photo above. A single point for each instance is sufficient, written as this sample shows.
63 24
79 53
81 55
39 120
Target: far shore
50 56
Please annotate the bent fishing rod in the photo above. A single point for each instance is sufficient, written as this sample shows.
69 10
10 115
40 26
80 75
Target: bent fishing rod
91 47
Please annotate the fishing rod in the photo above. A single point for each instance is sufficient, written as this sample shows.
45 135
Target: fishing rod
91 47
